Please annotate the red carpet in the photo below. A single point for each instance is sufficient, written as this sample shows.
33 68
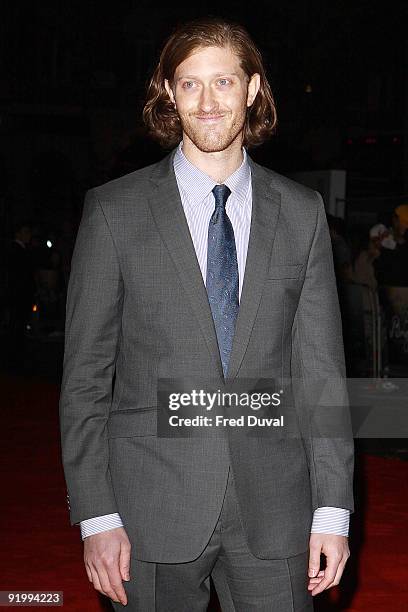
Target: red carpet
40 551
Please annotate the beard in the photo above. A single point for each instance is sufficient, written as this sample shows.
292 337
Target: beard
213 138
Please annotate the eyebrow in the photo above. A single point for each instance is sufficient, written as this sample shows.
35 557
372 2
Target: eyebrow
217 74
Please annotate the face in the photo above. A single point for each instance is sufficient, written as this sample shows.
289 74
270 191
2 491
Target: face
211 93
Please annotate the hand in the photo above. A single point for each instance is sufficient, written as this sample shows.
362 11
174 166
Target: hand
107 562
336 550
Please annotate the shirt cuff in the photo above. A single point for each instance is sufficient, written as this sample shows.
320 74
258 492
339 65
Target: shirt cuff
331 520
100 523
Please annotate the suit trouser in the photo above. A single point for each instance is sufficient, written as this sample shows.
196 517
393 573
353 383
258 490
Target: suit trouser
243 582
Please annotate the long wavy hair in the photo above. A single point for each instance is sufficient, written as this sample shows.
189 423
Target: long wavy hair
159 114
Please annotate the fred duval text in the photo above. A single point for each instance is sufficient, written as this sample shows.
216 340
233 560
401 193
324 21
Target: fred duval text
221 421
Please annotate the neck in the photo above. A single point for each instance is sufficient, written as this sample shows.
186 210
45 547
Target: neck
219 165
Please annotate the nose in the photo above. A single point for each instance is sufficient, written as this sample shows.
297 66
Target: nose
207 100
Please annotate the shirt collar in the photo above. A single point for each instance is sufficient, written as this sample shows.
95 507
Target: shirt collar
197 185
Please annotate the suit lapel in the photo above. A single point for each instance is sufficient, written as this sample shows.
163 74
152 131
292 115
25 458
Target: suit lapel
167 210
264 219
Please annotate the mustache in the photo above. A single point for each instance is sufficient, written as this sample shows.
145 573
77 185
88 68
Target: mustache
202 115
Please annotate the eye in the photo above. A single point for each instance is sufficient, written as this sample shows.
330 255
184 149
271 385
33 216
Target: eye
223 82
188 84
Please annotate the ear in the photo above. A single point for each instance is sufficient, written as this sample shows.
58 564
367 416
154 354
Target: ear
253 88
170 92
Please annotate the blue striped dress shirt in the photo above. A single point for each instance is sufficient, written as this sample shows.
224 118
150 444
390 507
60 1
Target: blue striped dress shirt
198 203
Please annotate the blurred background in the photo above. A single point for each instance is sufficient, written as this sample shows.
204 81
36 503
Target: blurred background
72 81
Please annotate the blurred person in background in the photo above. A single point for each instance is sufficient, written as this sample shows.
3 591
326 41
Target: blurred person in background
400 225
391 267
369 250
370 246
49 280
65 245
21 289
341 249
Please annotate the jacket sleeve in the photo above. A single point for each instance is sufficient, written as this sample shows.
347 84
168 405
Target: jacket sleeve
92 331
318 372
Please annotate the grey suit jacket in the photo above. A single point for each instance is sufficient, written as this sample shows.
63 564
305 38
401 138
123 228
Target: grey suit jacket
137 310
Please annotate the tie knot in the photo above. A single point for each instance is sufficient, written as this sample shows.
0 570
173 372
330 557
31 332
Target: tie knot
221 195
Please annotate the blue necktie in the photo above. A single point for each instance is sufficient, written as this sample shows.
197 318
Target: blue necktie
222 274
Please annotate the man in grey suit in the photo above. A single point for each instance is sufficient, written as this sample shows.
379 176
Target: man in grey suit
204 265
